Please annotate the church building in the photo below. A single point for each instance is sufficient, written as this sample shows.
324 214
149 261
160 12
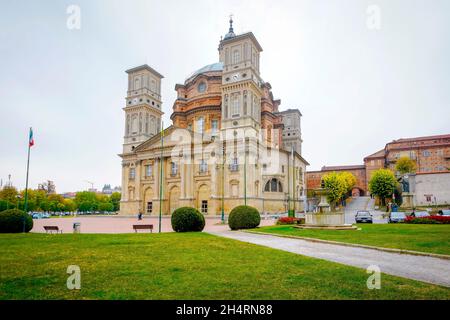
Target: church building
228 144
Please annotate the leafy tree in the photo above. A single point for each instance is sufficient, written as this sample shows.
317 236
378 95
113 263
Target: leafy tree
349 180
101 198
115 200
4 205
85 196
336 186
69 205
382 184
86 206
405 165
106 206
35 198
9 193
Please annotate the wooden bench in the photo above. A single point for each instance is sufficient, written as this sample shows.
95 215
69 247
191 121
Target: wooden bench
137 227
51 229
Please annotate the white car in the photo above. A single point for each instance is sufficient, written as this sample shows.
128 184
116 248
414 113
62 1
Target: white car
420 214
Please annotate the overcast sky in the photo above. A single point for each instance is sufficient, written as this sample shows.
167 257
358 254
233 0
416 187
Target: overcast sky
357 87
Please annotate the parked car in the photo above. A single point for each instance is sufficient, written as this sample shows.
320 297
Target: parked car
363 217
420 214
396 217
40 215
445 212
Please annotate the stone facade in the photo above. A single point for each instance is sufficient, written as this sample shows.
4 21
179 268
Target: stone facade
225 145
430 188
292 133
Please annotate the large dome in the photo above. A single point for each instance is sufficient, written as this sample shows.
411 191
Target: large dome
218 66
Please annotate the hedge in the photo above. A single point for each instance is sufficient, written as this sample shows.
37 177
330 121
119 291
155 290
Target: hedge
244 217
12 221
187 219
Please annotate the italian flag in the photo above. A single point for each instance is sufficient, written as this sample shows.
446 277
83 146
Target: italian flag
31 139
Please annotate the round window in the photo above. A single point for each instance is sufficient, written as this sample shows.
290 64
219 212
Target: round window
201 87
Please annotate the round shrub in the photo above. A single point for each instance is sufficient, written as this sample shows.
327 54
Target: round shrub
11 221
244 217
187 219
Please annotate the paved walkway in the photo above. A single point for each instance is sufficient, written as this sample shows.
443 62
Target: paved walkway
363 203
422 268
122 224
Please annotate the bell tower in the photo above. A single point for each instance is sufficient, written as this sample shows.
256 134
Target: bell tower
143 108
241 82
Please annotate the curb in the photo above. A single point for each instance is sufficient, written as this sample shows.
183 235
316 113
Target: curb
391 250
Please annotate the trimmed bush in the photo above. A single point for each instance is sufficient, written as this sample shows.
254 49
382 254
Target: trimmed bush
244 217
11 221
187 219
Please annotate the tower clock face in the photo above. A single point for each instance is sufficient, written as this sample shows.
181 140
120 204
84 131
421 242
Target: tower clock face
135 100
235 76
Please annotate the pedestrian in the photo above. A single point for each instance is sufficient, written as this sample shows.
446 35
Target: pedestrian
140 215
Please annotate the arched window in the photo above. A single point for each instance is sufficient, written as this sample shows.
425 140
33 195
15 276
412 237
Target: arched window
173 168
226 107
236 56
134 124
245 102
235 108
137 84
273 185
200 125
152 125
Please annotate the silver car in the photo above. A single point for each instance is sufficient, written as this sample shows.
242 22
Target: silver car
395 217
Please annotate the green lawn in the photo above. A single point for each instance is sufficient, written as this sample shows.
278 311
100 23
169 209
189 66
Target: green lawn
425 237
181 266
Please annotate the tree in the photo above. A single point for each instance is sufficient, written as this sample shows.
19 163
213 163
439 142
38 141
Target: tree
349 179
105 207
9 193
405 165
382 184
84 196
115 200
69 205
86 206
336 186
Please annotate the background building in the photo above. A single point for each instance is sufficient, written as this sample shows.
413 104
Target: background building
431 154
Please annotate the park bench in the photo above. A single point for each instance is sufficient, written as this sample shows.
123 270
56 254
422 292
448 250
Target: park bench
51 229
137 227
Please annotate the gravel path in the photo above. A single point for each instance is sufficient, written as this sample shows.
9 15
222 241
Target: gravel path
427 269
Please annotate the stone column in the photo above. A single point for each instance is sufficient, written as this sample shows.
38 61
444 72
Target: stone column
124 182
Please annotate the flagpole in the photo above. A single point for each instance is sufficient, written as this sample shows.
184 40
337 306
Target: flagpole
293 180
161 175
26 183
245 173
223 181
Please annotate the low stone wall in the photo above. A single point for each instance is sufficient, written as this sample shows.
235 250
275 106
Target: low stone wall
325 219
